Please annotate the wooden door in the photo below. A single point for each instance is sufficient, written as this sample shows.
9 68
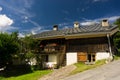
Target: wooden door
82 56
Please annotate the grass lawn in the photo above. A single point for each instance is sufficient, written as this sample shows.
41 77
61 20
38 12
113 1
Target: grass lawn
31 76
37 74
117 57
82 67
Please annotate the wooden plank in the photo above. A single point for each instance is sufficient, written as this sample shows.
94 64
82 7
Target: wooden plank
82 56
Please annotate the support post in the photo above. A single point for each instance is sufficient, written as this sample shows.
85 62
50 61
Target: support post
109 45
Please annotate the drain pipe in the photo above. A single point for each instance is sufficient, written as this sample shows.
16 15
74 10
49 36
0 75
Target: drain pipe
110 49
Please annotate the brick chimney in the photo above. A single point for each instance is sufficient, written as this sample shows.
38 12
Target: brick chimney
76 25
105 23
55 27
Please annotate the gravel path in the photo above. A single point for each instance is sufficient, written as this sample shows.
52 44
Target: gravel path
59 74
110 71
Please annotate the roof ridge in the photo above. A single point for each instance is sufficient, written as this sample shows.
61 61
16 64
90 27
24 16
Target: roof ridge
79 30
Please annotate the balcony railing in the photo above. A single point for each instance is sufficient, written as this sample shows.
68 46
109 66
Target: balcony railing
51 49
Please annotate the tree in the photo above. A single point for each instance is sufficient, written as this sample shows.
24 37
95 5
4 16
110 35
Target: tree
8 46
28 44
29 48
117 22
117 36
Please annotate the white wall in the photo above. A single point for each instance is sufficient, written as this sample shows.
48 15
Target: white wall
71 58
102 55
33 61
52 58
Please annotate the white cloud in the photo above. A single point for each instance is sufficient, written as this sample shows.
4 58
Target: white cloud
26 17
66 27
110 19
37 27
87 23
5 21
62 24
7 29
21 35
113 18
35 30
91 22
20 7
34 23
1 8
28 3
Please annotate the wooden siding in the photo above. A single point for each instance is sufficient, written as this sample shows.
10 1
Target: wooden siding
90 45
62 56
82 56
52 46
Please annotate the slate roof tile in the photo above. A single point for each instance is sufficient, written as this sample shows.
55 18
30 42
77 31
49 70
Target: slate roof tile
81 30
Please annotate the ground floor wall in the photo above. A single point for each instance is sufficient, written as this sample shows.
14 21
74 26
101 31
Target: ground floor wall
74 57
71 58
49 60
52 58
102 55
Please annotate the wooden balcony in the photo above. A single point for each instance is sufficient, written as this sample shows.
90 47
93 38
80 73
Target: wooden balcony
51 49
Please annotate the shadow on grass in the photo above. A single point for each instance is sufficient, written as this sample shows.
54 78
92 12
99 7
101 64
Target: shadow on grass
15 70
117 55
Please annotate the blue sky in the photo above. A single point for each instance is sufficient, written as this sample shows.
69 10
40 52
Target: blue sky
34 16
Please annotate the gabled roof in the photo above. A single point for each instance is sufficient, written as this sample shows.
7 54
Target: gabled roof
90 30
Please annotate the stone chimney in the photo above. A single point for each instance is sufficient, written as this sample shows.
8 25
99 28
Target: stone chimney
55 27
105 23
76 25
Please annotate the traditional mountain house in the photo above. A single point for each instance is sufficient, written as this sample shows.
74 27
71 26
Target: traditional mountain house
80 43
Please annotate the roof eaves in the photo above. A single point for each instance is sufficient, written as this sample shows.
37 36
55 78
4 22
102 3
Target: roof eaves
87 35
52 37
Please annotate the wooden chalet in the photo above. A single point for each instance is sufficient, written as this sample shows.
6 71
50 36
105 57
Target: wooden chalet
81 43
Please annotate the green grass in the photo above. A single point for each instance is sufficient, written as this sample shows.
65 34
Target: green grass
31 76
37 74
117 57
82 67
2 78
